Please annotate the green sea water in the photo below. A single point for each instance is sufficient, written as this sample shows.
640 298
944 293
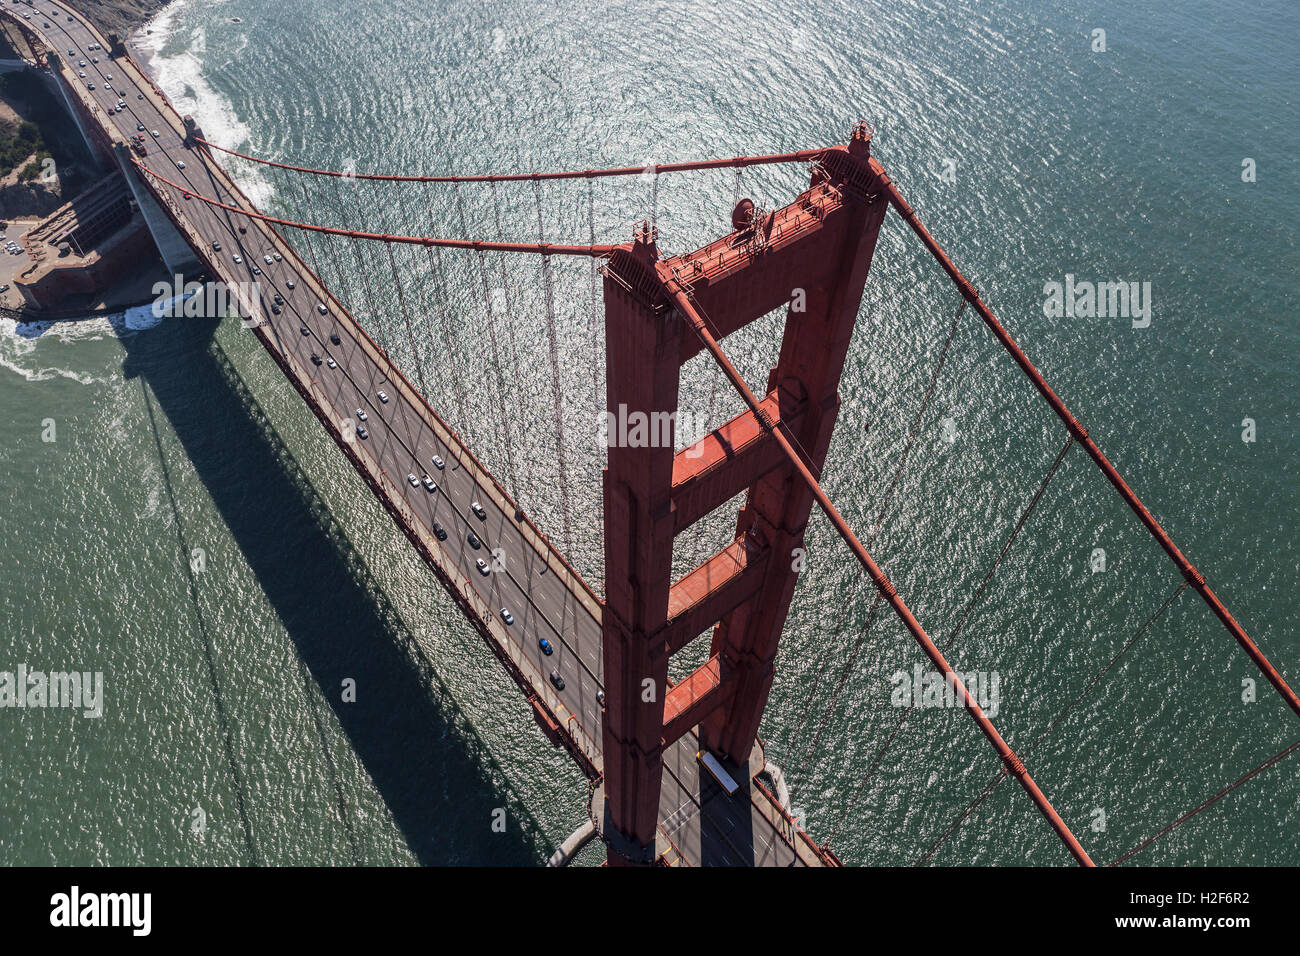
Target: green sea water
192 533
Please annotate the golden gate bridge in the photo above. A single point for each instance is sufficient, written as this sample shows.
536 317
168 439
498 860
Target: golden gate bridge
674 765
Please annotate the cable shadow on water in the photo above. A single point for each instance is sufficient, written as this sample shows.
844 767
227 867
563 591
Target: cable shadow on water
432 770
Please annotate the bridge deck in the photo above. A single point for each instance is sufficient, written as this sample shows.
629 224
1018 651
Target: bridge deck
699 823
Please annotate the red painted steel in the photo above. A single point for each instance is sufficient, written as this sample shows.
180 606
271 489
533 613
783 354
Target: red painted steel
810 257
1185 567
882 582
538 248
643 738
738 162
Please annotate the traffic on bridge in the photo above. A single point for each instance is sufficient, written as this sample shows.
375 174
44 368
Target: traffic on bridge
674 766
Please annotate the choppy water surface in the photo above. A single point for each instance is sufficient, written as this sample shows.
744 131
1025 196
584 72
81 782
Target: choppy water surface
193 534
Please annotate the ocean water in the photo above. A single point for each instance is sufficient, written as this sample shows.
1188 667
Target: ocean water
191 532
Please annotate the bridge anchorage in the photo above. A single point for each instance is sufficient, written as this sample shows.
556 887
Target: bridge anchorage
812 256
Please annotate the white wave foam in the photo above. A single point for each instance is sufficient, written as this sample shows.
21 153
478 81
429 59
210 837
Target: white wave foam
19 342
175 55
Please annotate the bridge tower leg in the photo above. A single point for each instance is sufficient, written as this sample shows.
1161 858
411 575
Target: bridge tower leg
812 258
778 503
642 377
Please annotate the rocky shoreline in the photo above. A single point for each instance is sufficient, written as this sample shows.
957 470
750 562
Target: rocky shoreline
119 16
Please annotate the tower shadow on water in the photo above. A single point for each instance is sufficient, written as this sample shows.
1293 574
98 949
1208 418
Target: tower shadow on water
432 771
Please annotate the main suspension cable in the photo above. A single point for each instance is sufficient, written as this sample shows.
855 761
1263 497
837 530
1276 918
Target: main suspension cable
478 245
739 162
913 432
952 636
1185 567
687 309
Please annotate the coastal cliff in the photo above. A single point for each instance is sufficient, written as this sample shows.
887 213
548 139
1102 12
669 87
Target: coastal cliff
119 16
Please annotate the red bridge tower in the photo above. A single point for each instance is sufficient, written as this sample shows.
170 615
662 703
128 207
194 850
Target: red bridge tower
812 257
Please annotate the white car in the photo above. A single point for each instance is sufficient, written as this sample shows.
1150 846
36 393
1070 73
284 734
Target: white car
81 73
155 134
415 482
181 164
507 616
478 511
429 484
290 283
238 259
361 414
267 259
108 76
438 462
319 307
383 396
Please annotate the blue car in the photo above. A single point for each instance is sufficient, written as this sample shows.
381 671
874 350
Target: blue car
546 646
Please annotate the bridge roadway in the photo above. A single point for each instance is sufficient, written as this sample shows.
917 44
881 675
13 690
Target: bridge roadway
699 824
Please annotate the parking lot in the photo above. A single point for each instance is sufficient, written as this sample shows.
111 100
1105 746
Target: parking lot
11 265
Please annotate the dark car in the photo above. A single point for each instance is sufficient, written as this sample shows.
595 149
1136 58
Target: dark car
334 337
557 680
473 540
439 531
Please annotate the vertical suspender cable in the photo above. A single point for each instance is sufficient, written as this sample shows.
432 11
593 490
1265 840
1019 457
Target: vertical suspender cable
952 636
553 347
406 316
593 320
306 234
511 319
912 434
502 423
378 328
442 304
697 324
